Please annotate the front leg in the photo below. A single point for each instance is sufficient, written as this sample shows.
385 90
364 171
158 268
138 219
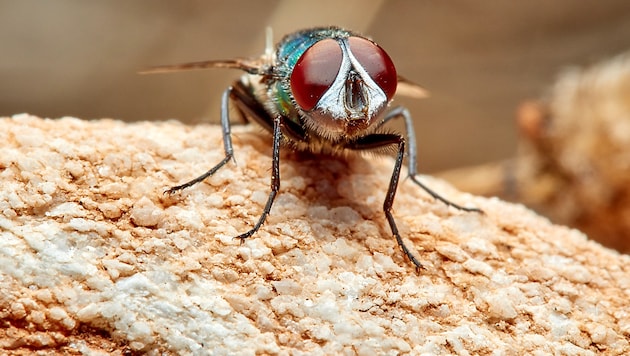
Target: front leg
245 103
375 141
275 179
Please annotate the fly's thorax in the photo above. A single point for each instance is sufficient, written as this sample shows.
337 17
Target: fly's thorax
259 86
339 82
292 47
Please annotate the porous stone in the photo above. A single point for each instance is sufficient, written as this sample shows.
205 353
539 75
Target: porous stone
94 258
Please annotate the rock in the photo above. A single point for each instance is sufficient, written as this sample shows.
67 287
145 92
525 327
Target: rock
574 162
95 259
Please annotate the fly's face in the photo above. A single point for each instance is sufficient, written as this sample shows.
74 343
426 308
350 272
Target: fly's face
342 84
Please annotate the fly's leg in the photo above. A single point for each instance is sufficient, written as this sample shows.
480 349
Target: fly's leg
275 180
249 108
412 152
389 202
227 145
375 141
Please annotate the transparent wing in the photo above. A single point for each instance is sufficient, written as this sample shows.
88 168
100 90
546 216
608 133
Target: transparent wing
408 88
247 65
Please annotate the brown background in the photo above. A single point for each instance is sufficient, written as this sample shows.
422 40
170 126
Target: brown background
478 59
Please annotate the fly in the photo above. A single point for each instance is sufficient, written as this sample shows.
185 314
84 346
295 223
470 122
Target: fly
324 90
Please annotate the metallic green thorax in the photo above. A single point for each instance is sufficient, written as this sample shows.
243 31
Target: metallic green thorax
288 52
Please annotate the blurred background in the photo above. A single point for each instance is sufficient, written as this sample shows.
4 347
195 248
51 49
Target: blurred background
478 59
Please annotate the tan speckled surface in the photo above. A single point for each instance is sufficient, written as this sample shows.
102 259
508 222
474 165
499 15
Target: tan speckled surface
93 257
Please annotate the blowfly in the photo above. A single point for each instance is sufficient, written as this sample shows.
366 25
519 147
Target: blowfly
323 90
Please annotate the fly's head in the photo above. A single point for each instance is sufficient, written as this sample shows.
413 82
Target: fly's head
342 84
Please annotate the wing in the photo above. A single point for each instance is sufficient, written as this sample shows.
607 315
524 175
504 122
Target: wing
247 65
408 88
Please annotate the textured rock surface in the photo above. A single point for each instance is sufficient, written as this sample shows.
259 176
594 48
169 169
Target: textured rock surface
93 257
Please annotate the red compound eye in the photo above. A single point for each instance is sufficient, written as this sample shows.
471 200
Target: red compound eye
377 63
314 72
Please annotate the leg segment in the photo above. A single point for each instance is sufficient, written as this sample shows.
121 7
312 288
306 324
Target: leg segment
389 202
245 102
412 152
227 145
380 140
275 180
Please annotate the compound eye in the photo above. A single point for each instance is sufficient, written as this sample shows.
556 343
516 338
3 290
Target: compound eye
376 63
315 72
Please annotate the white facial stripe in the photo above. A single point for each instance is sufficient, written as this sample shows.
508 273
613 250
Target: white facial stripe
374 91
333 101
